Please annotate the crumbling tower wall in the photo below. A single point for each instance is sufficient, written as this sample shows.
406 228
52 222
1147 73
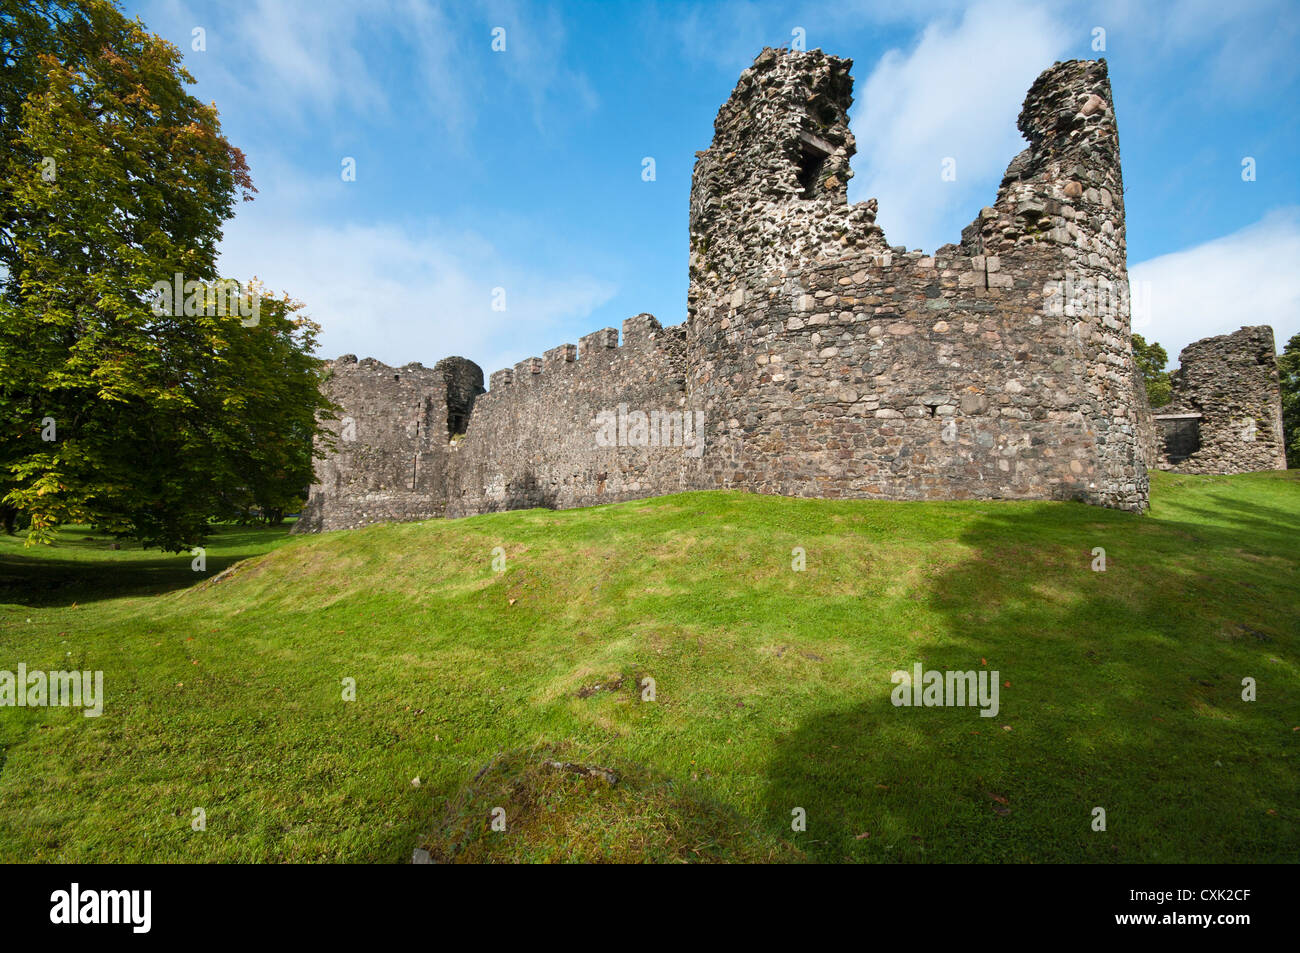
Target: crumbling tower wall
830 364
1226 413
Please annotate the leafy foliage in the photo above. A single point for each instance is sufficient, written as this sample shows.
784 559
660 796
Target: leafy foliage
1151 360
144 421
1288 366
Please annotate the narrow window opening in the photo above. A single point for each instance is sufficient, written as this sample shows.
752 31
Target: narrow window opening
811 164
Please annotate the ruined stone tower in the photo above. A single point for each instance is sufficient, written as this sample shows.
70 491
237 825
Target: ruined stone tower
818 360
830 364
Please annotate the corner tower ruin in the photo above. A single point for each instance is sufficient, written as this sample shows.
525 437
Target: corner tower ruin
830 364
388 459
1226 413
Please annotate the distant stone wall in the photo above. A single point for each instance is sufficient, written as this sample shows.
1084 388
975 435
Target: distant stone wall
1231 382
536 437
822 361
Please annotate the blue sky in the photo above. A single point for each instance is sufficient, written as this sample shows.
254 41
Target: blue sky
522 169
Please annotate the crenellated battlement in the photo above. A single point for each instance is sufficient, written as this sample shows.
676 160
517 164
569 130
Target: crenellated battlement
642 336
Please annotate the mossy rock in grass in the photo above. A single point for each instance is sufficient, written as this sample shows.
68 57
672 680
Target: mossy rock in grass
561 806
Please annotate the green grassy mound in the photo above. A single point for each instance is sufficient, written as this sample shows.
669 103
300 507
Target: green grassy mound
1120 689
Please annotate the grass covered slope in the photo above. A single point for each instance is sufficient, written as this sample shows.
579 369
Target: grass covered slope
772 686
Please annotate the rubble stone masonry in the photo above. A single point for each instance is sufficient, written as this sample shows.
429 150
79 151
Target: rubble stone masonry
830 364
389 455
1226 414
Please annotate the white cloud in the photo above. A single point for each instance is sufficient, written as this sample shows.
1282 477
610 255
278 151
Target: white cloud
533 60
296 58
1248 277
381 291
447 88
289 72
956 95
306 57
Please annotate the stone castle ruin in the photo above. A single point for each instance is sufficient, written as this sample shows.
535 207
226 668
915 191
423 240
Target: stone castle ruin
816 360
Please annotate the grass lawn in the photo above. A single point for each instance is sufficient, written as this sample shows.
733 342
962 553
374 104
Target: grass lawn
1122 689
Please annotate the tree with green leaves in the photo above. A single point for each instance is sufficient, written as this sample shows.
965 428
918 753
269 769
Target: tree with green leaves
1151 360
267 399
1288 366
144 420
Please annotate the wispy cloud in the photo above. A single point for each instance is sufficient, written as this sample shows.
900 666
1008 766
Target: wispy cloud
535 38
727 35
386 292
303 61
304 82
1236 48
313 59
1248 277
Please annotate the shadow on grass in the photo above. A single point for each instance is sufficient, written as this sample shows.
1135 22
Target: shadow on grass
561 809
91 573
1257 522
1120 690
